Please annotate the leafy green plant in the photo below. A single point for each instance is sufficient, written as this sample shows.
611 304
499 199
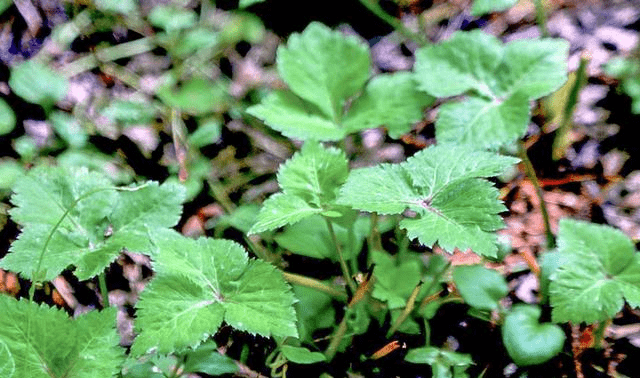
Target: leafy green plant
627 71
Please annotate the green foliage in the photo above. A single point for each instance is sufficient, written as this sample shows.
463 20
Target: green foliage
309 182
7 363
75 217
482 7
528 341
206 359
628 71
49 87
201 283
444 363
599 270
36 334
498 80
301 355
324 69
443 185
480 287
7 118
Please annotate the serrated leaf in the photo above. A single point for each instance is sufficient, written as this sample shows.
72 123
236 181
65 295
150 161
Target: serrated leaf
500 80
527 341
37 83
46 343
72 216
309 180
200 284
324 67
480 287
391 100
482 7
296 118
599 270
7 363
301 355
395 280
443 185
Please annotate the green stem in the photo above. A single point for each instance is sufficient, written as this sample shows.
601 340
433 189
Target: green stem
374 7
436 280
108 54
598 333
374 241
531 173
561 141
411 302
541 18
102 281
343 263
314 284
337 337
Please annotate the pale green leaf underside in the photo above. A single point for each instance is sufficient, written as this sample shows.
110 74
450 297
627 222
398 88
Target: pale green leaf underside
202 283
46 343
500 80
443 186
324 67
482 7
390 100
600 269
98 224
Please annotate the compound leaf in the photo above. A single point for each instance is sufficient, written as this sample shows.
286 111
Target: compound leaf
46 343
324 67
200 284
443 187
599 269
71 216
309 180
391 100
499 80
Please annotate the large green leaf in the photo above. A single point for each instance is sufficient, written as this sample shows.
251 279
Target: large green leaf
309 181
324 67
599 269
7 363
75 217
443 187
201 283
46 343
499 80
37 83
391 100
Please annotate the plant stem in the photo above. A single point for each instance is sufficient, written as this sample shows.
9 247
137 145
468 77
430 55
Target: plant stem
108 54
343 264
374 240
298 279
375 8
531 174
102 281
436 280
337 337
411 302
561 140
541 18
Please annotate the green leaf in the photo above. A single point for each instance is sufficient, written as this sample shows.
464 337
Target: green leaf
480 287
125 7
301 355
391 100
296 118
444 363
527 341
482 7
324 67
172 18
201 283
196 96
37 83
314 309
46 343
499 80
309 181
443 186
206 359
7 363
69 129
10 171
71 216
395 280
129 112
599 270
208 132
7 118
4 5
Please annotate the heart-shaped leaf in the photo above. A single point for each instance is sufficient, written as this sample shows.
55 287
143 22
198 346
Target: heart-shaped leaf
480 287
529 342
